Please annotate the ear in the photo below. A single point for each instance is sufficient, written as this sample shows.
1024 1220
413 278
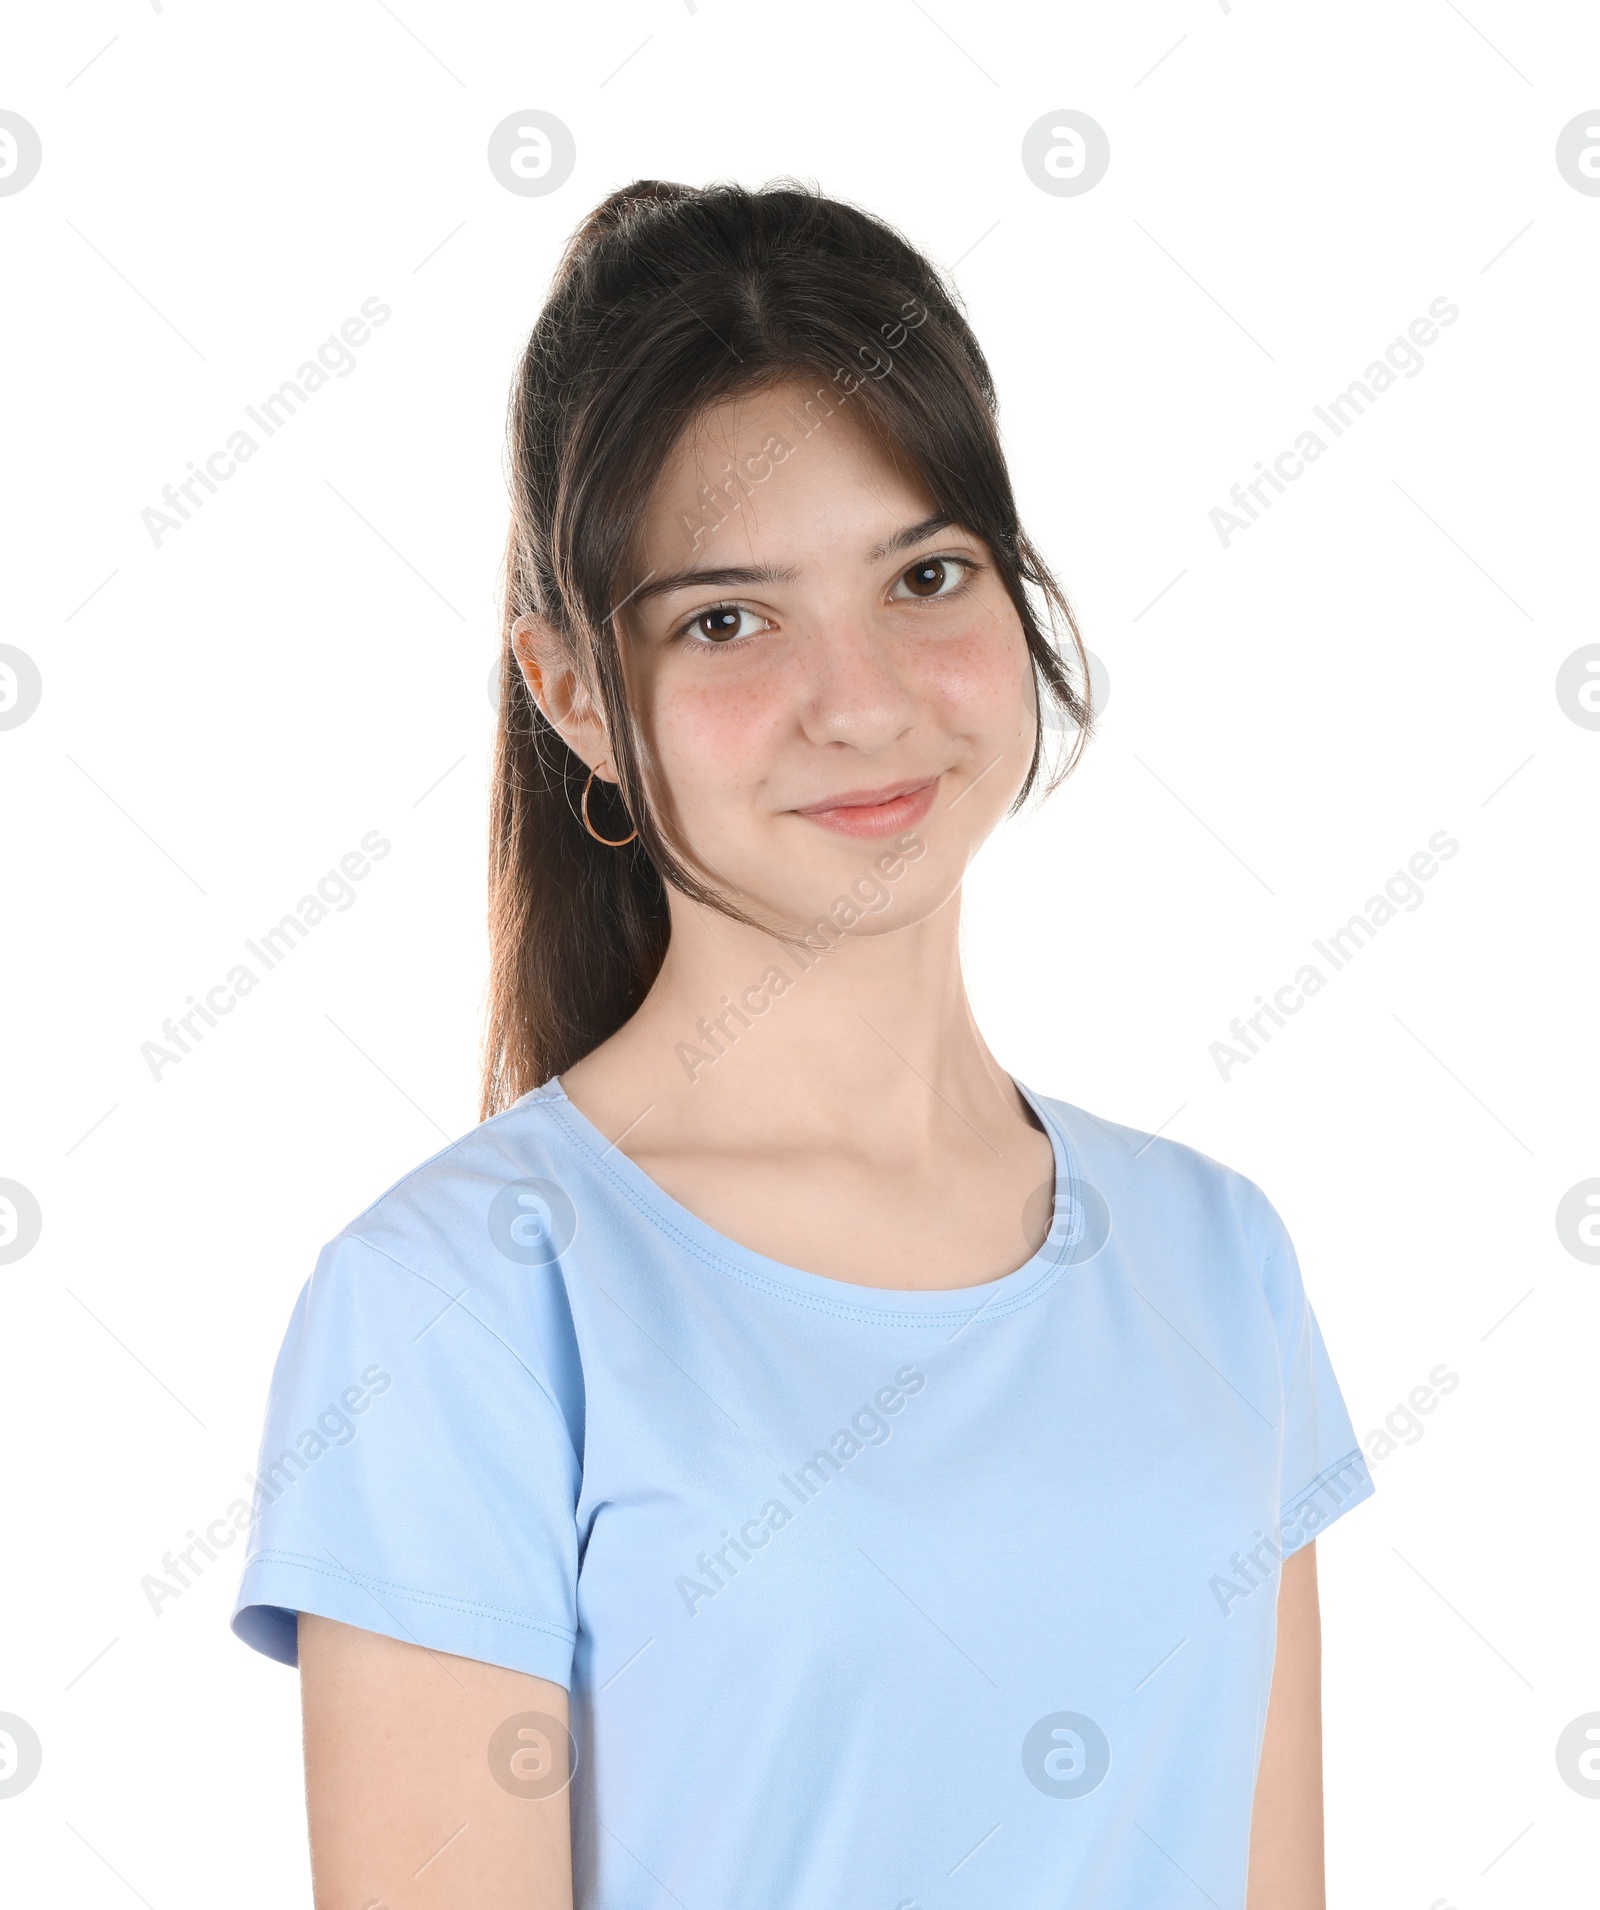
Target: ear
563 697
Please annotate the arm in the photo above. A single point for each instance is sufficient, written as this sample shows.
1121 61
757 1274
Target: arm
1286 1823
404 1811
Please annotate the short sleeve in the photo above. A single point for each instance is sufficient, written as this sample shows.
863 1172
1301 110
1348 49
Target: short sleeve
1323 1471
418 1476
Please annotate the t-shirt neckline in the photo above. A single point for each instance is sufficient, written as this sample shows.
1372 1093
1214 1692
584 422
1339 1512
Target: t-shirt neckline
849 1299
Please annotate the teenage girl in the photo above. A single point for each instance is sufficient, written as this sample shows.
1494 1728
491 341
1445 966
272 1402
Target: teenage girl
778 1458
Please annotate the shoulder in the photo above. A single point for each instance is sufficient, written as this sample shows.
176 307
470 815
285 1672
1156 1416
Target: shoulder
1164 1189
472 1238
498 1192
453 1276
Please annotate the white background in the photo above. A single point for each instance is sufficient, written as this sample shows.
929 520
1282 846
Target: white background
1290 718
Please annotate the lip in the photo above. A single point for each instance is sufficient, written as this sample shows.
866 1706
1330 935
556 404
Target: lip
874 812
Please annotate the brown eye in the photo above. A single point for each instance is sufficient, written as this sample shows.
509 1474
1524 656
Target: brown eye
927 579
719 625
933 577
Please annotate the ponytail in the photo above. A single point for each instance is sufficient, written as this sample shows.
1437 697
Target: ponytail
577 931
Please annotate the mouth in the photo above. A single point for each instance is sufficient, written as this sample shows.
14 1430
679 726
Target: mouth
873 812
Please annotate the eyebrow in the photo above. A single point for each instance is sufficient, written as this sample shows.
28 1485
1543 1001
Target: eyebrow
709 577
911 534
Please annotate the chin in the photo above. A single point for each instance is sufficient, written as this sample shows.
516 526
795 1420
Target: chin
863 899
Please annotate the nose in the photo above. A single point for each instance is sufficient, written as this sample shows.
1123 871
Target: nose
852 690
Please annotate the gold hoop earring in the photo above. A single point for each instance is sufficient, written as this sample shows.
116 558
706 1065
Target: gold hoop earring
584 808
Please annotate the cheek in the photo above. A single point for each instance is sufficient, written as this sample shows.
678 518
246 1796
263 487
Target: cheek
978 680
715 731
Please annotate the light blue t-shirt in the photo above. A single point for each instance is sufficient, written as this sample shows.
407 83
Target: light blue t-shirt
865 1599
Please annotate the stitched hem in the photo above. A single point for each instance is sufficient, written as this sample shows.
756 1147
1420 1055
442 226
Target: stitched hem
1340 1486
778 1289
297 1561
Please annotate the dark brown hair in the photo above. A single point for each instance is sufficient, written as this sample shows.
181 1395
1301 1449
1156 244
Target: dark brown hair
671 299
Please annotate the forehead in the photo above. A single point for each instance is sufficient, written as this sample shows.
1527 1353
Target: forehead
782 465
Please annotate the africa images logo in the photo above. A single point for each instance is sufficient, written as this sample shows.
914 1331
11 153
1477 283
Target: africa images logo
334 359
1402 358
1402 893
334 1426
869 1426
183 1032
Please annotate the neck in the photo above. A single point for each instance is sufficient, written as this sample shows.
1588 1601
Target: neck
744 1035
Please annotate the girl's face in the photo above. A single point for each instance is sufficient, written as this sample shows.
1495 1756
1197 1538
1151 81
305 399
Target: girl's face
821 666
